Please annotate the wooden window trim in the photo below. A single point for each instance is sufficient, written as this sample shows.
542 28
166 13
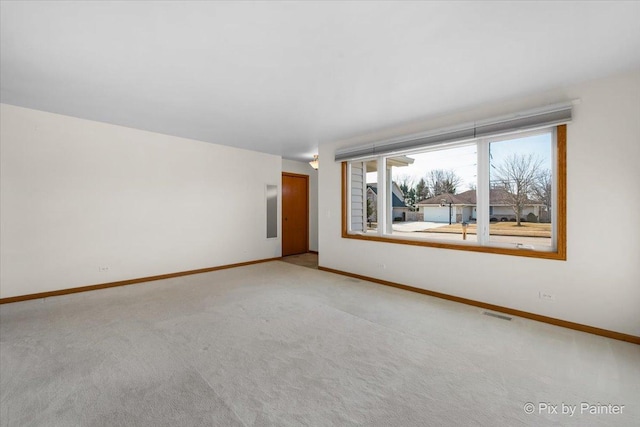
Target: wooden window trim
560 200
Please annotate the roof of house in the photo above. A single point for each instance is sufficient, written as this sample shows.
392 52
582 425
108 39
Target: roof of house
454 199
497 196
397 201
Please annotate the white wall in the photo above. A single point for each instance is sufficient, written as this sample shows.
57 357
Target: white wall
304 169
77 195
598 285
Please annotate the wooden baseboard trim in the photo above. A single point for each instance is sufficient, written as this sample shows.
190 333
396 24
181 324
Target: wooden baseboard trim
551 320
128 282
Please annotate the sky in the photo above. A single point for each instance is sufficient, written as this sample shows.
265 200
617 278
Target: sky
463 160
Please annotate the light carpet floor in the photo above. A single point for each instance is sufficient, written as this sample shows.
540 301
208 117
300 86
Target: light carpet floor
276 344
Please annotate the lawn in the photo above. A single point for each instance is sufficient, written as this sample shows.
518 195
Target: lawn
528 229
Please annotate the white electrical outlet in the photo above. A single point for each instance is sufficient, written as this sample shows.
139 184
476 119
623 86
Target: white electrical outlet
546 296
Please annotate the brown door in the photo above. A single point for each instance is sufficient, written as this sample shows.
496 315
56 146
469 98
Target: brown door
295 214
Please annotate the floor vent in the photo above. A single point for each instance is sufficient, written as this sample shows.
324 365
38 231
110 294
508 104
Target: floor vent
499 316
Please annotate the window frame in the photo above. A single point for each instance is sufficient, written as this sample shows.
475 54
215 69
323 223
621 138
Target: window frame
559 225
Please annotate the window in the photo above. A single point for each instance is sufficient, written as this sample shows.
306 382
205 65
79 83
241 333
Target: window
521 191
492 194
434 193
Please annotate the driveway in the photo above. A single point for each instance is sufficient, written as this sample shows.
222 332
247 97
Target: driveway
413 226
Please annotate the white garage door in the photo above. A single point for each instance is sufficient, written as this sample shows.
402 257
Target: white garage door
437 214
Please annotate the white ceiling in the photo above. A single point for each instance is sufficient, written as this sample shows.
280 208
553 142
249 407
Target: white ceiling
284 77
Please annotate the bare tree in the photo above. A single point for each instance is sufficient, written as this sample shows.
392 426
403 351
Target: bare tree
543 189
518 175
371 210
440 181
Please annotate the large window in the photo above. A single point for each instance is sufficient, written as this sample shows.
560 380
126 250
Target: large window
494 194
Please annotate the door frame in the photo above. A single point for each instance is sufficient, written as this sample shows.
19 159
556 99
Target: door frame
306 208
